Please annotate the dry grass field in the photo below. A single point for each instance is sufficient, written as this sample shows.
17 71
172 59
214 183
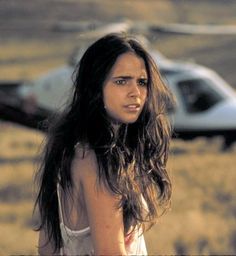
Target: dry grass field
201 221
202 218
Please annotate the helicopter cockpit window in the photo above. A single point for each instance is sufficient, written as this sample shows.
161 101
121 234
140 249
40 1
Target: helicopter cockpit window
198 95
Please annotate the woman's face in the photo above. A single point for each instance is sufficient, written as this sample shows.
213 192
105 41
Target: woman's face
125 89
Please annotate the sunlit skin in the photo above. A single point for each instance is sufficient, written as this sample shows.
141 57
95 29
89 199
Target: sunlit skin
125 89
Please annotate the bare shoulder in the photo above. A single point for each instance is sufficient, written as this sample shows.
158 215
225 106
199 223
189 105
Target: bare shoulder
84 165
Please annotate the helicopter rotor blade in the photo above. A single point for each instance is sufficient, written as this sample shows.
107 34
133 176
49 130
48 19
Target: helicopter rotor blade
90 30
192 29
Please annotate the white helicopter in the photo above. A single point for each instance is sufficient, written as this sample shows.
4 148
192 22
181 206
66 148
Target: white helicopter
206 104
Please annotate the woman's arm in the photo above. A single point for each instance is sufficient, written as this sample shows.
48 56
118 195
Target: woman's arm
105 219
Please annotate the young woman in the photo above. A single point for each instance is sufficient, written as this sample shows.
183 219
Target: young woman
103 180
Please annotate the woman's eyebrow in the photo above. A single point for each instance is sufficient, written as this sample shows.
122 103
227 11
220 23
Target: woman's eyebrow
128 77
122 77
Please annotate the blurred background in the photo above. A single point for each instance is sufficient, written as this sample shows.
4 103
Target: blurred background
38 38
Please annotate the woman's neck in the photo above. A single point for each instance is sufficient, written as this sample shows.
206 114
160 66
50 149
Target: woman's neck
116 127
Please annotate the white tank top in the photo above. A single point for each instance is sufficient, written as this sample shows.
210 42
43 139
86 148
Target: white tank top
79 242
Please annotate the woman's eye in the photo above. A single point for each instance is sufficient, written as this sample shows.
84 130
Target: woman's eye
120 82
143 82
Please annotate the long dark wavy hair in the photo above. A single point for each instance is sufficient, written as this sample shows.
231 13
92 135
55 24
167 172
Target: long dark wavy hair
132 162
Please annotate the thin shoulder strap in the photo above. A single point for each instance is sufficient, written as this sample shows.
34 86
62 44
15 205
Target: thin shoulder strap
59 203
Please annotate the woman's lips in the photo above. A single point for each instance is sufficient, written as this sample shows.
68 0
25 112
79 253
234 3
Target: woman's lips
132 107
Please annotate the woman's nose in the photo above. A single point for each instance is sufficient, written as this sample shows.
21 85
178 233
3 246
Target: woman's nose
134 90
